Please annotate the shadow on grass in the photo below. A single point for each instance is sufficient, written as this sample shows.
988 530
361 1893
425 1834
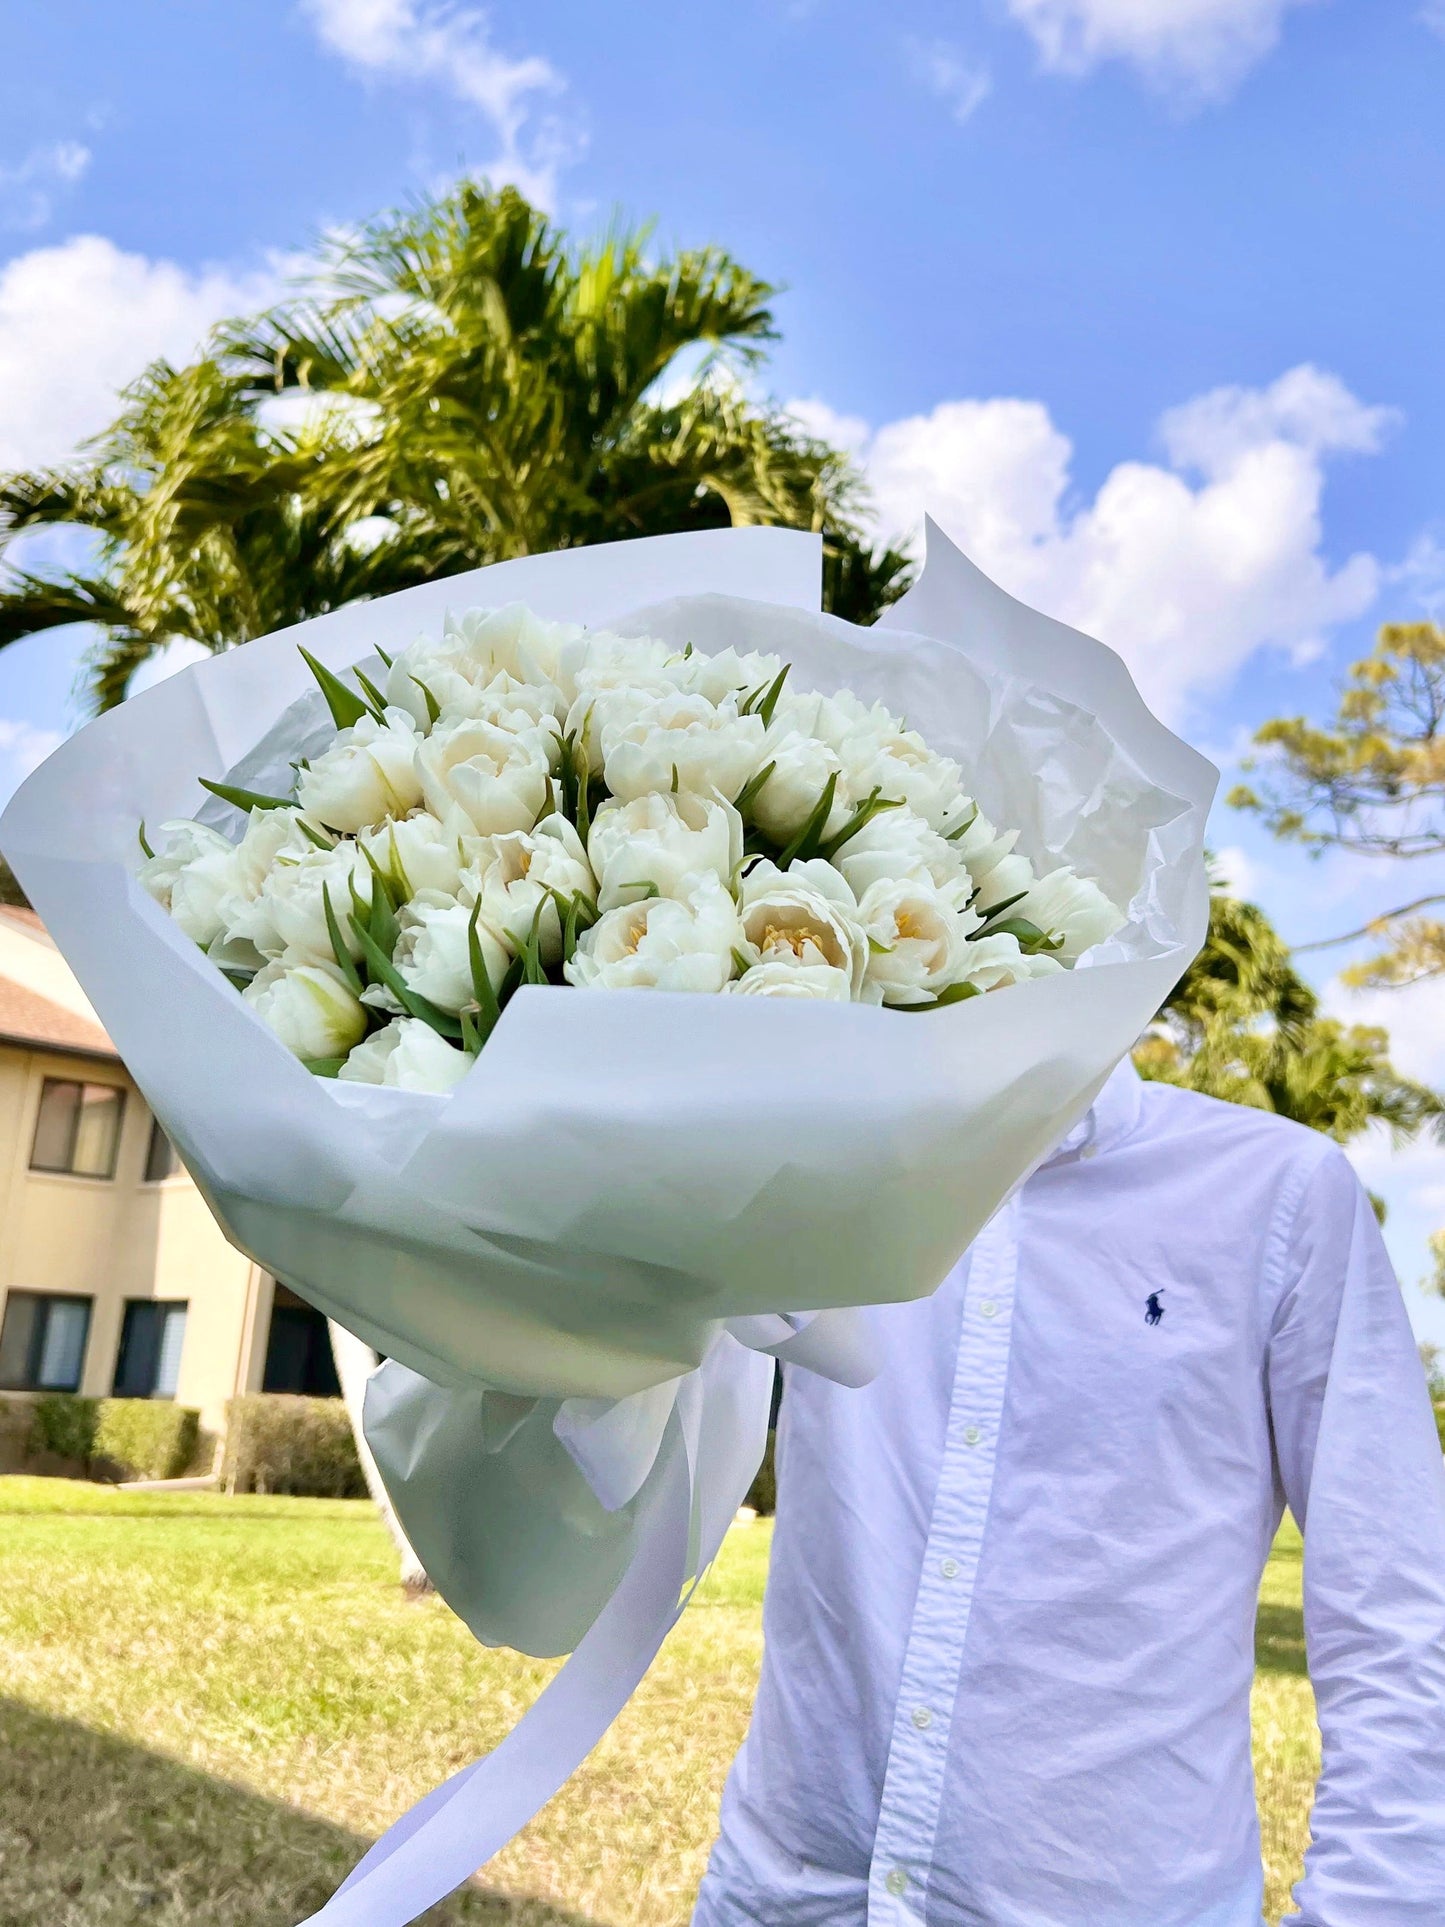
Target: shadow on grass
95 1832
1279 1640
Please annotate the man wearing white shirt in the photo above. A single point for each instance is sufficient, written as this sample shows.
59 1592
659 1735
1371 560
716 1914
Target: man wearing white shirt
1009 1622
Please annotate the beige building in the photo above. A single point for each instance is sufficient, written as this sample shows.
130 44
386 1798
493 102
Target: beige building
114 1277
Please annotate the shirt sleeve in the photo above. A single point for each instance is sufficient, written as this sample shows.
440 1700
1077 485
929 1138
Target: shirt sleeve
1359 1459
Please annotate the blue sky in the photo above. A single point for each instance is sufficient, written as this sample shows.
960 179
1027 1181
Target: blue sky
1140 297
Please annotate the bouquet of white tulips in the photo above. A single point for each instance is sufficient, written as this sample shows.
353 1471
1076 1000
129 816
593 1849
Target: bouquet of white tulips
527 802
651 766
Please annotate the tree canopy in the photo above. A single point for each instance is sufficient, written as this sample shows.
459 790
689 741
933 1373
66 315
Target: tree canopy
1371 780
459 384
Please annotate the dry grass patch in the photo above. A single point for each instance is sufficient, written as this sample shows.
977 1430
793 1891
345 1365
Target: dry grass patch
212 1703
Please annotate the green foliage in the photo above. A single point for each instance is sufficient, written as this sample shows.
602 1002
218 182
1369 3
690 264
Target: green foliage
147 1438
1243 1025
66 1425
10 891
276 1442
1371 780
463 385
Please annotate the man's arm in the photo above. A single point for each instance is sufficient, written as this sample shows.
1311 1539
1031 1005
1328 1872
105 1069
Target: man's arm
1360 1462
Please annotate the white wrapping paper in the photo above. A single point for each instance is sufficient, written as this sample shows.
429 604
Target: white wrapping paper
625 1188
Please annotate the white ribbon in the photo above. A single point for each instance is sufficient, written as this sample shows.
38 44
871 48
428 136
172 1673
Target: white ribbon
716 1421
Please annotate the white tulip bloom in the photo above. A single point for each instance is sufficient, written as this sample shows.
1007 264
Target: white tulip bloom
980 847
287 916
496 779
664 840
730 674
420 851
819 981
802 766
681 743
1069 906
367 775
510 641
898 762
433 953
1007 881
310 1007
662 944
512 877
897 845
988 963
805 915
444 670
192 874
407 1056
917 939
834 720
514 706
598 661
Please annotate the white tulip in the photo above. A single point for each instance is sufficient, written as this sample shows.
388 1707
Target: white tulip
271 837
287 916
662 944
681 743
511 641
420 851
834 720
730 674
916 939
517 707
369 774
900 764
1008 880
192 874
444 671
980 847
988 963
663 840
898 844
802 766
496 779
512 877
805 915
407 1055
310 1007
433 953
822 981
598 660
1069 906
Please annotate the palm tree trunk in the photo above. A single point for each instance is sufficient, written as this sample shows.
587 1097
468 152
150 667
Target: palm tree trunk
355 1362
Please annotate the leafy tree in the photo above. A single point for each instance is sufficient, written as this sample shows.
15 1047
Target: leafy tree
459 386
1371 780
1243 1025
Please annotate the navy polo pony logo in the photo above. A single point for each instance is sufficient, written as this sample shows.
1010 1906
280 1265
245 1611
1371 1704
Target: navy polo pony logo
1153 1310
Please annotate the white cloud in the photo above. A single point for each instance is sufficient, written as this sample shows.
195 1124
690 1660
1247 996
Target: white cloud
1185 578
28 188
962 84
23 748
1433 15
79 321
1195 51
1240 873
429 42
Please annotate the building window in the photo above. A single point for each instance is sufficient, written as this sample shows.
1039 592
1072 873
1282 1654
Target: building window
298 1349
78 1128
42 1342
161 1159
149 1362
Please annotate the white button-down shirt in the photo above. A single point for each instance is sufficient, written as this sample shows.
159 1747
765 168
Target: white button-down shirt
1009 1623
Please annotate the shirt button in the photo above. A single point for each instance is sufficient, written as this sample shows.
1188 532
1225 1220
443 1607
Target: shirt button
897 1881
949 1568
972 1435
922 1718
988 1308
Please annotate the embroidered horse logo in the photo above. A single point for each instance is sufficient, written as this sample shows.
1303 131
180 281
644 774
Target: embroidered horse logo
1153 1310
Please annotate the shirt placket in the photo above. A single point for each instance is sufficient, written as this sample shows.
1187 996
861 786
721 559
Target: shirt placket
918 1750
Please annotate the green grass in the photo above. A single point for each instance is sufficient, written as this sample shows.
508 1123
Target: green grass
210 1704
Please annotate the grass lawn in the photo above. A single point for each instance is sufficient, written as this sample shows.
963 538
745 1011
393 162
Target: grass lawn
207 1705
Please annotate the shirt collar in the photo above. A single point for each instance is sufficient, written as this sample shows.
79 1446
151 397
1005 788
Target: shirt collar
1114 1114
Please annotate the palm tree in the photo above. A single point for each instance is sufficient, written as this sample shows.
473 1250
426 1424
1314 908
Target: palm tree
459 386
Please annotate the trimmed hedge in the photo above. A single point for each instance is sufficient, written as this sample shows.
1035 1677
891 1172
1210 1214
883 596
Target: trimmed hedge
148 1438
65 1425
139 1438
277 1442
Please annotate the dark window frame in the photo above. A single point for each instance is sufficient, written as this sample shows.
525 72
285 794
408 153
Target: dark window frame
35 1344
68 1170
139 1350
160 1143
